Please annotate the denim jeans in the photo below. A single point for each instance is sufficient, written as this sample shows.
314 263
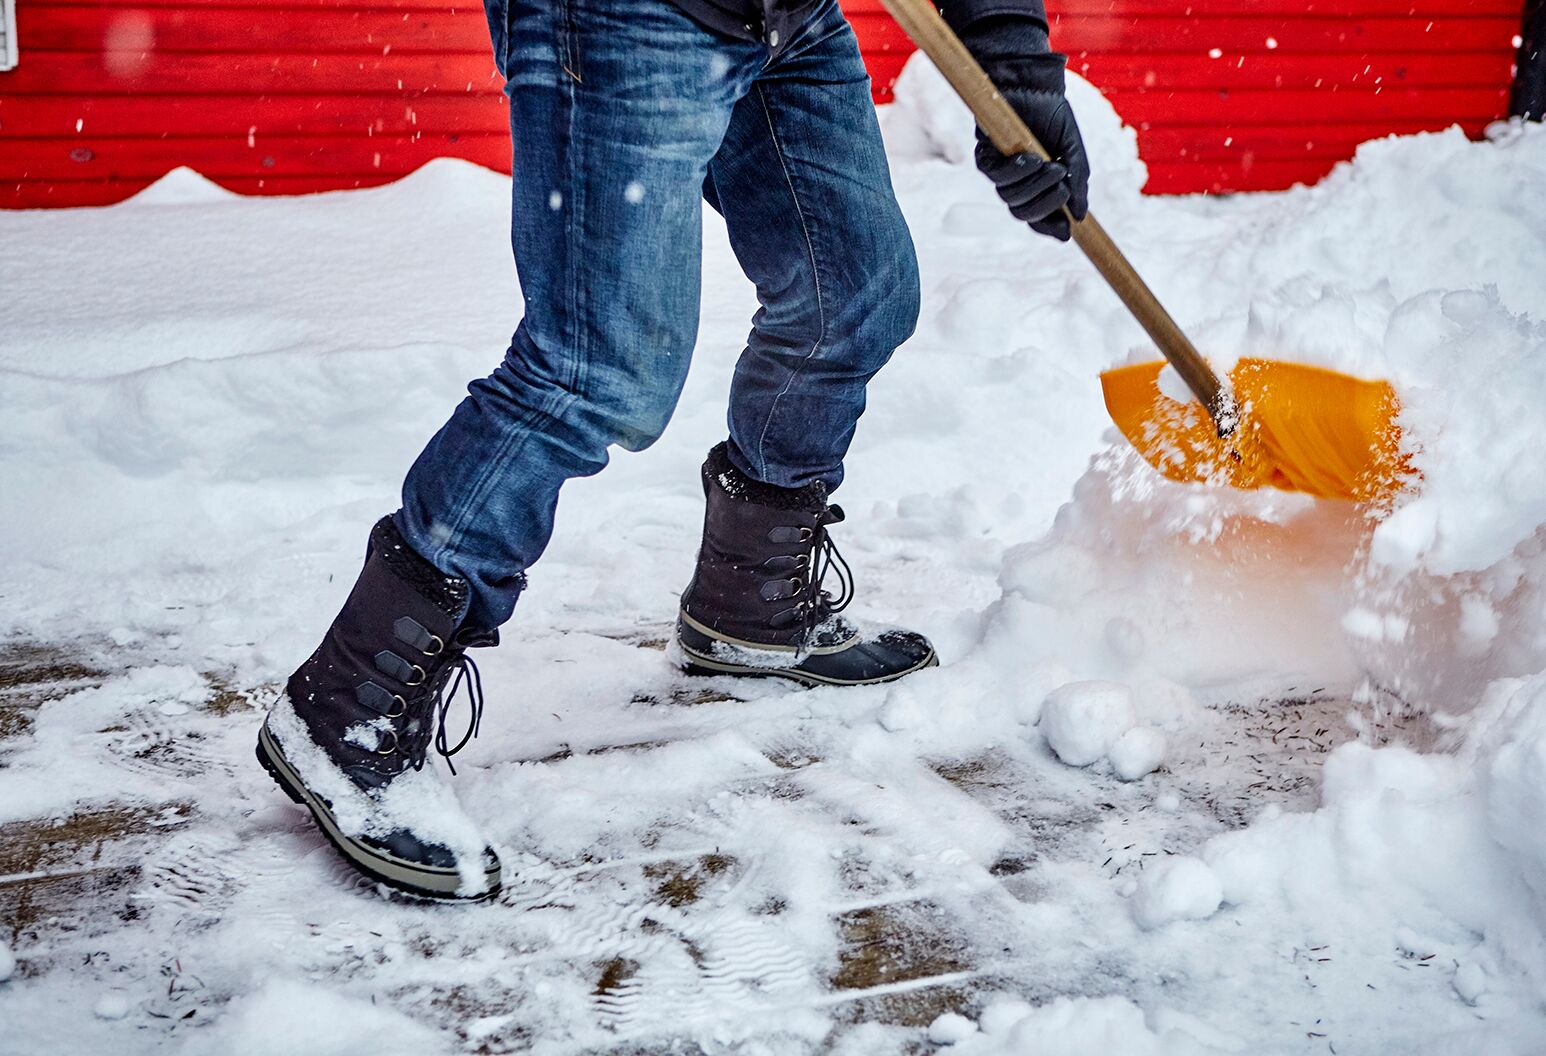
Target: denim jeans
625 116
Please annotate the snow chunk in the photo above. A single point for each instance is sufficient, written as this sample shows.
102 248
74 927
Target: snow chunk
1180 888
1082 1026
1138 752
7 962
289 1016
1082 720
112 1005
951 1028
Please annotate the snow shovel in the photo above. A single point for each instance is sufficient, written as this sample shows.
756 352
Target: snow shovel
1276 424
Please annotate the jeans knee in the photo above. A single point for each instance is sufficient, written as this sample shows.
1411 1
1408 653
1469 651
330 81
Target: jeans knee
629 394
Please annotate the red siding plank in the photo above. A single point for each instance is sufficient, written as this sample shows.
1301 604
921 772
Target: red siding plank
281 115
142 159
1214 109
152 72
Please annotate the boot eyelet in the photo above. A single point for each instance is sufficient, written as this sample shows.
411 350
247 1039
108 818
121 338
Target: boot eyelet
439 646
806 535
419 681
391 749
804 562
399 706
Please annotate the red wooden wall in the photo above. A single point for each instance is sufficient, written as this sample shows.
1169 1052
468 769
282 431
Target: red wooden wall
288 96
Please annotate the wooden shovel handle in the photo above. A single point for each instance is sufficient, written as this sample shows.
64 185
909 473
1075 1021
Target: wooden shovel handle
922 22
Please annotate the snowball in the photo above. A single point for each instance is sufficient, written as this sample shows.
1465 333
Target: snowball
112 1005
1168 801
951 1028
1082 720
1180 888
1138 752
7 962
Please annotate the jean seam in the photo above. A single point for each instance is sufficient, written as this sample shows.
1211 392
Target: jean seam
810 248
574 328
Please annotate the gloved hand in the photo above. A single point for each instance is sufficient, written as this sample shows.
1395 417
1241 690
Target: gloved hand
1014 51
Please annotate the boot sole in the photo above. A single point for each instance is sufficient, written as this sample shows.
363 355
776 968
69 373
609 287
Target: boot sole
698 664
409 877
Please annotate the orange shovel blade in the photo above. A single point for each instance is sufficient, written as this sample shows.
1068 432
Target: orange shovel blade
1302 429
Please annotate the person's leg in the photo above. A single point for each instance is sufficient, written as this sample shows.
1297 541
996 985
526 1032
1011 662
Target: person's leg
616 108
803 184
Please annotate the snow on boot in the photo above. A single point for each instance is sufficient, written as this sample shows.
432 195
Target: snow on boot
756 604
350 737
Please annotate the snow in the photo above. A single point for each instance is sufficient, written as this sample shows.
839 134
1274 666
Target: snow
1180 888
113 1005
416 801
1200 771
294 1015
1083 720
1065 1027
1138 752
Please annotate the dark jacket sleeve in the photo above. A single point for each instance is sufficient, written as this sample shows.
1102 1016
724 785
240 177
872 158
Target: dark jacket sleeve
959 14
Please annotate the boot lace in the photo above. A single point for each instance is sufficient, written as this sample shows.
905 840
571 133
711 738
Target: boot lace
820 605
466 674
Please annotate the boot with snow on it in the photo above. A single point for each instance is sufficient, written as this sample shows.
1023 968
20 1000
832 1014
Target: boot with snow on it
756 605
350 737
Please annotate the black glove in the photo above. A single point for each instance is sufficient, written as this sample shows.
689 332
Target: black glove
1013 49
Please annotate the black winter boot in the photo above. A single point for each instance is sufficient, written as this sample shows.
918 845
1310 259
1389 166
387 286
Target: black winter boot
756 604
350 737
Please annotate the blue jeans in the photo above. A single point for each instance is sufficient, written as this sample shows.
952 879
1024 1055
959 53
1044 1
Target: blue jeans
625 115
